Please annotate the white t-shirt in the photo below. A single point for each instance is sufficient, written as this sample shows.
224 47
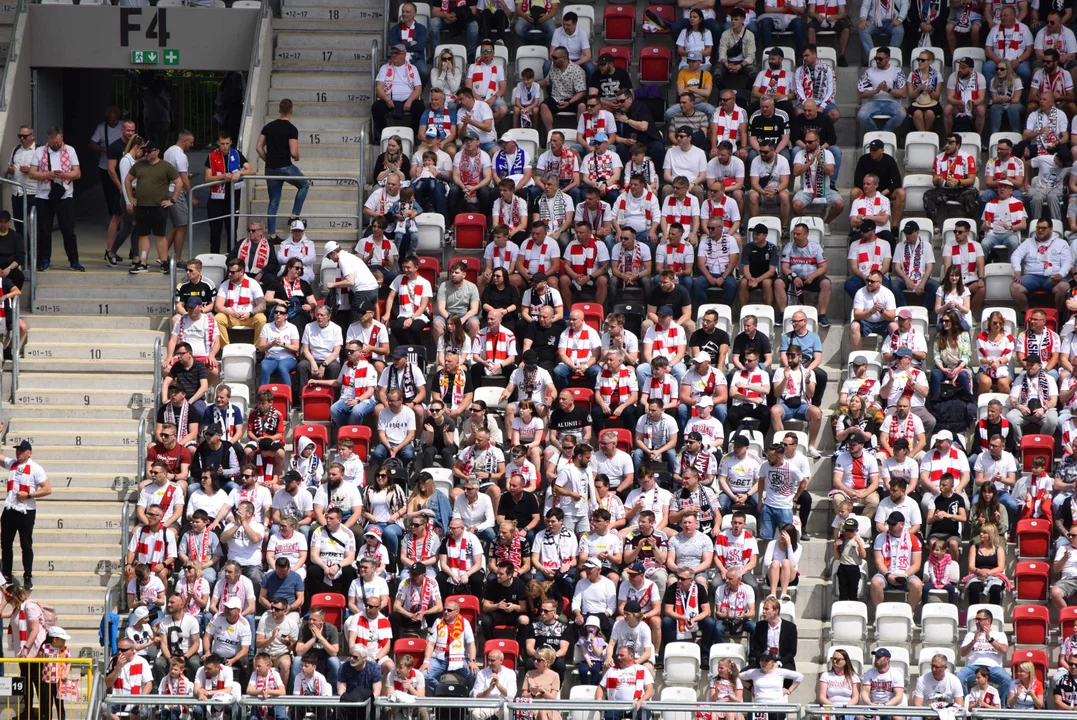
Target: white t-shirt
228 637
865 300
780 484
242 549
689 164
939 691
990 467
481 112
883 684
575 43
396 425
178 159
287 334
982 653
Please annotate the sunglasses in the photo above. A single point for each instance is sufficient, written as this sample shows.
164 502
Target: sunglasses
924 59
25 136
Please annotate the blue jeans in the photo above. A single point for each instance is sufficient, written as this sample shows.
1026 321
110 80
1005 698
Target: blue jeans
1037 283
697 288
998 677
523 29
406 453
1013 112
721 627
895 31
274 188
795 26
591 672
1024 71
964 381
670 456
566 582
430 193
391 533
643 372
439 667
343 415
282 365
772 519
993 238
881 106
437 25
562 374
897 285
854 283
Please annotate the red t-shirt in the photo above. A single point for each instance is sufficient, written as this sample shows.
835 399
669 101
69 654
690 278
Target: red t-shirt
175 457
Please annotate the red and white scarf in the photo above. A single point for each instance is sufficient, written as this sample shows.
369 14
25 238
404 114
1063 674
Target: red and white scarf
261 256
678 211
242 297
582 258
686 605
614 390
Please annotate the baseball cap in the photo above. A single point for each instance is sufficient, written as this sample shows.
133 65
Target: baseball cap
632 606
966 60
859 360
398 352
911 228
881 652
666 310
904 312
695 435
739 440
850 525
894 518
942 435
867 225
150 147
1032 358
364 307
705 401
530 357
399 47
601 137
417 569
695 55
637 567
194 301
143 612
701 357
56 631
232 603
760 228
5 215
373 531
298 224
331 246
903 352
854 438
605 58
593 563
431 131
876 145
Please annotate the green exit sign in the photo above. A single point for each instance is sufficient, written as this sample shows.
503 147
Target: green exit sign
145 57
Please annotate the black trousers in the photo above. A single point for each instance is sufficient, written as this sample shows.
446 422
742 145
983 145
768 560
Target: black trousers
446 456
404 626
49 694
316 580
382 117
64 213
457 204
628 418
16 211
821 380
412 335
478 372
488 621
12 522
473 587
737 414
218 211
31 673
848 581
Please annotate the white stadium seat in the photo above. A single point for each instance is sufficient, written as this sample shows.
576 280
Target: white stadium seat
899 657
492 397
750 523
875 361
923 658
443 479
422 13
998 618
997 280
459 53
937 63
241 396
920 150
811 313
764 315
816 228
927 229
830 56
790 60
802 439
586 14
976 53
214 268
992 143
888 138
849 621
970 143
948 226
1009 315
237 363
915 187
682 662
896 58
856 655
527 138
725 315
983 398
733 651
431 233
531 56
407 137
773 224
584 692
920 319
329 272
893 623
939 623
569 133
678 694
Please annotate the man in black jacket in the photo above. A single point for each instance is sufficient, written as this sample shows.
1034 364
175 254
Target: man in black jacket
213 453
877 162
636 125
811 120
775 636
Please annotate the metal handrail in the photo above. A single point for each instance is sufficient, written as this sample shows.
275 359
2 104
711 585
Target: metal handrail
31 258
16 346
386 24
13 54
158 363
125 540
707 707
243 701
140 473
106 617
891 710
172 273
570 704
339 180
443 702
97 688
362 177
256 62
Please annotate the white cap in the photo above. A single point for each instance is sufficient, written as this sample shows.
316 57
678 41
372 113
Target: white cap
701 357
141 613
706 400
298 225
233 604
331 246
58 632
942 435
592 621
593 563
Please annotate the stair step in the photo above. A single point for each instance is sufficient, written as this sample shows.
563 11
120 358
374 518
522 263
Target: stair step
306 81
78 516
104 543
114 320
342 103
39 382
321 146
112 277
88 494
306 125
88 366
104 305
64 563
100 353
83 398
316 207
326 57
370 5
310 65
60 598
103 293
100 412
327 191
73 438
319 20
321 41
46 452
116 483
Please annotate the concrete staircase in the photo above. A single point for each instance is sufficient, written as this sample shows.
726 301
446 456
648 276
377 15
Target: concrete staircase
85 381
322 62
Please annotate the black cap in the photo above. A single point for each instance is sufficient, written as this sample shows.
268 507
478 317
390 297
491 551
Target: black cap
867 225
684 130
739 440
605 57
364 307
5 215
894 518
417 569
538 277
632 606
854 438
267 444
850 525
1032 359
694 435
876 145
399 352
530 357
760 228
900 444
149 147
24 446
966 60
910 228
292 475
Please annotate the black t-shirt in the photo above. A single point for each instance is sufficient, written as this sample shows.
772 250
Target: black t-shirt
201 290
610 85
469 387
950 505
822 124
571 423
193 417
522 512
547 636
709 343
639 112
277 134
670 598
189 380
768 128
760 342
760 259
677 297
544 340
886 168
12 247
439 430
1066 688
515 593
115 150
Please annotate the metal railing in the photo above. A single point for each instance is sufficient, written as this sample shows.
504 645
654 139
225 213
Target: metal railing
158 363
685 706
31 256
332 180
16 345
362 174
256 62
442 702
97 688
106 616
125 540
140 472
902 711
317 703
13 53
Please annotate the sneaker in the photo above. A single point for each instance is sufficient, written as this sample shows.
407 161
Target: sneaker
771 595
77 267
814 454
826 228
45 265
139 268
786 598
842 62
824 321
181 264
28 583
163 266
112 258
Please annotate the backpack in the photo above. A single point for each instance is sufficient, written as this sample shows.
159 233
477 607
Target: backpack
48 615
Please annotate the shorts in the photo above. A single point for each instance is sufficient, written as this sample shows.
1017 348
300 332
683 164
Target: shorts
801 413
839 27
552 105
1068 586
935 108
773 518
902 586
832 197
150 221
873 328
180 211
813 286
113 198
498 103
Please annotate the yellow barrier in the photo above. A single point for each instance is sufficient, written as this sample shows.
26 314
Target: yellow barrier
55 688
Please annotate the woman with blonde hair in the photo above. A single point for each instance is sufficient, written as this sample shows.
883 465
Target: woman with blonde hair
132 154
446 77
994 347
430 503
726 687
1005 89
543 683
1026 693
987 567
405 680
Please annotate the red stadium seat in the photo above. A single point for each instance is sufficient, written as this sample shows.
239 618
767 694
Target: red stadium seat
1036 657
1031 580
593 314
470 231
318 433
474 266
510 648
619 24
1031 624
282 399
360 435
430 270
1067 616
621 56
1052 316
583 397
316 401
416 647
665 12
1034 445
624 439
334 605
469 608
1033 539
655 65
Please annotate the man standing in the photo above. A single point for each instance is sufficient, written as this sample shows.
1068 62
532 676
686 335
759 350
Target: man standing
107 132
157 190
56 168
26 483
278 146
176 156
18 169
225 166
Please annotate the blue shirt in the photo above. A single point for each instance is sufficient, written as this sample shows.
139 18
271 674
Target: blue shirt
284 588
359 679
809 344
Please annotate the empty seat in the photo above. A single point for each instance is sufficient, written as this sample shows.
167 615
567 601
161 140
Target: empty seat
828 55
920 150
682 662
431 233
619 24
893 623
848 621
237 362
915 187
655 65
1033 537
470 232
678 694
443 478
1031 624
997 279
316 401
581 692
1032 578
492 397
938 623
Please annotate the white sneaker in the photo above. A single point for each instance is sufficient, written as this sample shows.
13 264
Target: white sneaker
826 228
814 454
